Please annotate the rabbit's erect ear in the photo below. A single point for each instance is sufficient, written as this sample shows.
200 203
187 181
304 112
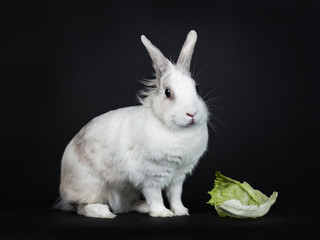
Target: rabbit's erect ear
186 52
160 62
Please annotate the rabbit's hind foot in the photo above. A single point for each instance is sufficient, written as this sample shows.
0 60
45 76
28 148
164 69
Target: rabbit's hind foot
95 210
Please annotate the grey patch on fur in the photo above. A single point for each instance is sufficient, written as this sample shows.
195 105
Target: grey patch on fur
82 145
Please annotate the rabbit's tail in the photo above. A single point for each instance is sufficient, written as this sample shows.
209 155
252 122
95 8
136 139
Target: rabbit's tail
62 204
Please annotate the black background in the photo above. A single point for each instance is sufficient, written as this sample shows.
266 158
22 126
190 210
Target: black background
65 63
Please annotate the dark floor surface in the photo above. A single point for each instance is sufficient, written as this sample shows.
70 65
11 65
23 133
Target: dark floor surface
287 219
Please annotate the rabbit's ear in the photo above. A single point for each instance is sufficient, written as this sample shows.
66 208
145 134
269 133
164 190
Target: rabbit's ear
160 62
186 52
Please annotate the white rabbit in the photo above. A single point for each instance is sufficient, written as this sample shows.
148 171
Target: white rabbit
141 149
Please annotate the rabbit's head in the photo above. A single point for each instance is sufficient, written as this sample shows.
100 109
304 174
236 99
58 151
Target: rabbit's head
172 96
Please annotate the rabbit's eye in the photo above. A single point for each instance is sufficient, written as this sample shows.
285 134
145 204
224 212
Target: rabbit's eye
168 93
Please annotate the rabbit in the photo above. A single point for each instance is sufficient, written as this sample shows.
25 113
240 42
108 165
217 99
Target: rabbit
134 153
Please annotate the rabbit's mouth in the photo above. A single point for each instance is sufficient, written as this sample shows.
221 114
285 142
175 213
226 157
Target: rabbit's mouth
190 122
184 122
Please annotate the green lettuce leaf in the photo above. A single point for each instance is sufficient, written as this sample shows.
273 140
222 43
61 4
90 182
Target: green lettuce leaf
240 200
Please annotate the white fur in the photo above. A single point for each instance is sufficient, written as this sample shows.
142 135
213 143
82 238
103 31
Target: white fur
142 149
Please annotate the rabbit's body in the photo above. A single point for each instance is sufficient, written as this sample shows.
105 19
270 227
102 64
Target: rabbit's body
141 149
112 157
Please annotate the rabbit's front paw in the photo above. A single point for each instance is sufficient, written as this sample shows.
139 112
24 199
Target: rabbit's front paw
161 212
180 211
141 206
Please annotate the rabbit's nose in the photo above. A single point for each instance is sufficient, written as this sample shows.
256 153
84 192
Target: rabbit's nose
191 114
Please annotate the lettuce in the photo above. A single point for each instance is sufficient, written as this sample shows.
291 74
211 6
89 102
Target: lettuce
239 200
